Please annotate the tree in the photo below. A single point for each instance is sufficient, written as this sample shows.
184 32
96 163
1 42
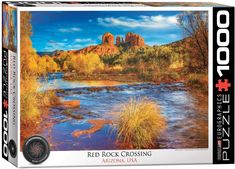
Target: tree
88 63
28 56
195 28
83 63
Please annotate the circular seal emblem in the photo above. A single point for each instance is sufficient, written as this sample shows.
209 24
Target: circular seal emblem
12 148
36 149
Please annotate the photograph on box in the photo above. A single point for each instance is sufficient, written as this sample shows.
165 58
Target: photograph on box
9 33
108 80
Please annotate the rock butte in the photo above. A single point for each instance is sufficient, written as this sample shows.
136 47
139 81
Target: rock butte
109 45
134 40
108 39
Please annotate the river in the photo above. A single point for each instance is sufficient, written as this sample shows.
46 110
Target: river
185 112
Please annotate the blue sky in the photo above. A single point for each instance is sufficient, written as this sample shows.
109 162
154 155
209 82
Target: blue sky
70 30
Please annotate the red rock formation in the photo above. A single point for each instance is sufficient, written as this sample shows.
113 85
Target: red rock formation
108 39
132 39
118 40
107 47
102 49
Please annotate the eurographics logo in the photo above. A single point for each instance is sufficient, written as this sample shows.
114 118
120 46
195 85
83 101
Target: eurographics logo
36 149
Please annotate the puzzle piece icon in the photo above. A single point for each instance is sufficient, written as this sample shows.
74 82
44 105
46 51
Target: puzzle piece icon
223 85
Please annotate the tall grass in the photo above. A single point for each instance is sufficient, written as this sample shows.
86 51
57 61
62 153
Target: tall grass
139 123
34 103
30 112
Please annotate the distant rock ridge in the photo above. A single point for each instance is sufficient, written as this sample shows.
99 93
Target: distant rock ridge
109 47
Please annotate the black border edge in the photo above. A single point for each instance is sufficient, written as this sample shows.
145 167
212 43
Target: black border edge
223 101
5 116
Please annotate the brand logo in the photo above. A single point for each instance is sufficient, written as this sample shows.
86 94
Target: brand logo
36 149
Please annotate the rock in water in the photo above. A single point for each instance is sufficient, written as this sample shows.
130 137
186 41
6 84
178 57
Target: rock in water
71 104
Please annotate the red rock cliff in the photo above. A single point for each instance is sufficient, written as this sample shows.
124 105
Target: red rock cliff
132 39
108 39
118 40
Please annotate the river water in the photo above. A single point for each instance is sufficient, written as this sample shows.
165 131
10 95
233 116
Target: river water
185 112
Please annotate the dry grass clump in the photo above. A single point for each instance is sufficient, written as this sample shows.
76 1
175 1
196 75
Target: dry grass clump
34 106
34 103
29 100
139 123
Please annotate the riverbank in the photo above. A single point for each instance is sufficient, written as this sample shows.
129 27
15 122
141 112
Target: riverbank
44 121
195 81
121 77
131 77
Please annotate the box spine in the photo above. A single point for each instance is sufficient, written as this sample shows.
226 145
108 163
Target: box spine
223 85
5 128
9 84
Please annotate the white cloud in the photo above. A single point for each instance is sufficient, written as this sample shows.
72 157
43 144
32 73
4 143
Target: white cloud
74 47
83 40
78 46
173 36
66 44
151 22
73 29
100 37
53 45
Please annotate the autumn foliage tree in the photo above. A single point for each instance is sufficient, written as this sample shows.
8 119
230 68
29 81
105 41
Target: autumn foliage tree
89 63
28 56
31 63
47 64
195 28
32 102
85 64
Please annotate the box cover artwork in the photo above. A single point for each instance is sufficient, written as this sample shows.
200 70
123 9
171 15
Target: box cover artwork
110 80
